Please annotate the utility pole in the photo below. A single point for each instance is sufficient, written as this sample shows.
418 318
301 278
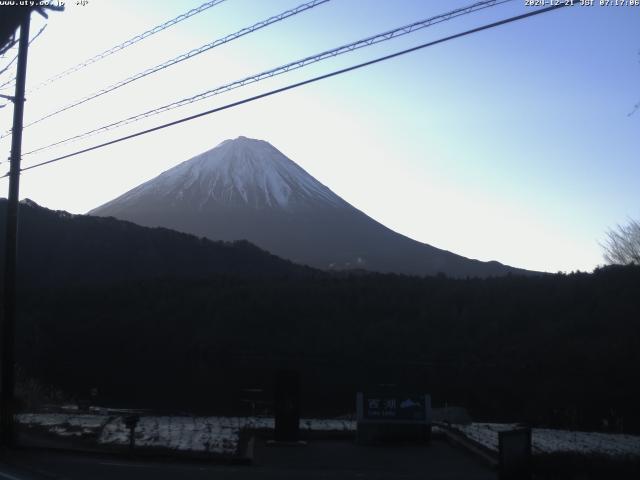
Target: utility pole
8 324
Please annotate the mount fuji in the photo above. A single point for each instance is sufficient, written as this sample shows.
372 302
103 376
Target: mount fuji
246 189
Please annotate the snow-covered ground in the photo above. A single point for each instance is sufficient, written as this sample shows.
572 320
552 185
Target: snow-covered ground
220 435
556 441
196 434
64 424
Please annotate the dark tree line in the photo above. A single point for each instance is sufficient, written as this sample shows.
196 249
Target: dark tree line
559 350
157 319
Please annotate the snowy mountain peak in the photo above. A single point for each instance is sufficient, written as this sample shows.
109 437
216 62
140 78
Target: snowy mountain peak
240 171
245 189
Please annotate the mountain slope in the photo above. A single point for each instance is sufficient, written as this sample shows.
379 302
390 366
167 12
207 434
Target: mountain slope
56 248
247 189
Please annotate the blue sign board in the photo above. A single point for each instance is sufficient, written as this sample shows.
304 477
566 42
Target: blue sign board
394 408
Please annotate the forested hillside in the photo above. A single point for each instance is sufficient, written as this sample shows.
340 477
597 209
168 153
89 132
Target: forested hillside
157 319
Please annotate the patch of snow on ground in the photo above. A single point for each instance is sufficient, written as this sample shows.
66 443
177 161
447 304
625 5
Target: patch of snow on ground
327 425
65 424
557 441
610 444
220 435
196 434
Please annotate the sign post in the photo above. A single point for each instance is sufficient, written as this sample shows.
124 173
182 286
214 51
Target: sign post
388 417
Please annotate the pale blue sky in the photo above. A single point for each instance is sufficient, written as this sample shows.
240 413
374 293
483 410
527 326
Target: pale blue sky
513 144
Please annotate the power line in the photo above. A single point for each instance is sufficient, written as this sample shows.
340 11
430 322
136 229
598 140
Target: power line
300 84
9 45
128 43
378 38
6 67
185 56
6 85
9 83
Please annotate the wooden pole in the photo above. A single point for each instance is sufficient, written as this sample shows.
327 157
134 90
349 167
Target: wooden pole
8 323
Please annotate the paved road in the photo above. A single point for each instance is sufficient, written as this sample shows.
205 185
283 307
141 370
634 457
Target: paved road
335 460
12 473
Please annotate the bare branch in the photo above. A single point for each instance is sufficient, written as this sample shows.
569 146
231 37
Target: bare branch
622 245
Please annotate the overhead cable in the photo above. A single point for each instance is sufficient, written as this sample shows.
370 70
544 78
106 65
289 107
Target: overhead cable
302 83
6 67
127 43
378 38
180 58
